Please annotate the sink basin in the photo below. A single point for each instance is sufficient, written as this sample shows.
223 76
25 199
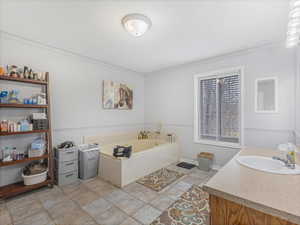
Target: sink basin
267 164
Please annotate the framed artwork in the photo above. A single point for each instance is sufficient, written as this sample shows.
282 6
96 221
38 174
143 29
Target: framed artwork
116 95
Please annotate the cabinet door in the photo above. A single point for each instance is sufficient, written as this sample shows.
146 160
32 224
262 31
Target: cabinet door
224 212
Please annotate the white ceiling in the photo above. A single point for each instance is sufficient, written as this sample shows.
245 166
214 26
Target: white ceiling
182 31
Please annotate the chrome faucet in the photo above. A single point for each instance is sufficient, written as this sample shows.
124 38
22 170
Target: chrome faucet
288 162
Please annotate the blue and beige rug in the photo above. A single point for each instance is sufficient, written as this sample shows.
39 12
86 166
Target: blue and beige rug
160 179
191 209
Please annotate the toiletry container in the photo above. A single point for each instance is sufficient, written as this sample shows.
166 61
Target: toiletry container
66 165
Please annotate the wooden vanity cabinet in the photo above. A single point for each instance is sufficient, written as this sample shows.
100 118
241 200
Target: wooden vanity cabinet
224 212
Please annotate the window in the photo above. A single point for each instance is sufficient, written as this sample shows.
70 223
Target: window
218 108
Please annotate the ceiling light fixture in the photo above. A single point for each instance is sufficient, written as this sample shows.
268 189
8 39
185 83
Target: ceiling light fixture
293 30
136 24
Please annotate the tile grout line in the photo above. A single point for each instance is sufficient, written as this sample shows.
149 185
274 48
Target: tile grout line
131 195
10 216
113 204
81 207
145 203
47 212
160 193
51 217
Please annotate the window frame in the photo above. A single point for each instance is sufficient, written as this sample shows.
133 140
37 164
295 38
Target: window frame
197 115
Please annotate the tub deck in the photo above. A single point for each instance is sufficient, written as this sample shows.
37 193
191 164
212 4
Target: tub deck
137 146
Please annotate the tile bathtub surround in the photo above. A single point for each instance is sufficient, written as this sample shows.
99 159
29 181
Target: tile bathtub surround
95 202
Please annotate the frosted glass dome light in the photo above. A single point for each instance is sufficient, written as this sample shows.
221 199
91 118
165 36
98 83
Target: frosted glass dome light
136 24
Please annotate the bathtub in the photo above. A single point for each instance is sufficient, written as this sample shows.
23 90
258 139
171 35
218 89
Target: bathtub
148 155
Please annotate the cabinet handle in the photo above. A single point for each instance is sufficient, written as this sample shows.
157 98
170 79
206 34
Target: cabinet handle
69 164
69 152
69 175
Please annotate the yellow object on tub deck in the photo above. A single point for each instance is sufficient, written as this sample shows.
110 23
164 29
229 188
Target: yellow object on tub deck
293 156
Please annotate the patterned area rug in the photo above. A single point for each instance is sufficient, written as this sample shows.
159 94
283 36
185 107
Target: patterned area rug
160 179
191 209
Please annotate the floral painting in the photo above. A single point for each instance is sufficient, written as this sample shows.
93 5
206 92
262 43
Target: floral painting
116 95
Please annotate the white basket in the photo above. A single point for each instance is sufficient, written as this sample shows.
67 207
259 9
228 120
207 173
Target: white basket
35 179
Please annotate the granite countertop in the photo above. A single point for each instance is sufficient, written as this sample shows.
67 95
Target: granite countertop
274 194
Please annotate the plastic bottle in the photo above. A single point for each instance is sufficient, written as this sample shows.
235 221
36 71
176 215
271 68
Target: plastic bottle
292 152
13 154
1 154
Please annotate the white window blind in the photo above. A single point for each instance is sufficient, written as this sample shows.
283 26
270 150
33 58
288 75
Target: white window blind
208 109
218 107
229 108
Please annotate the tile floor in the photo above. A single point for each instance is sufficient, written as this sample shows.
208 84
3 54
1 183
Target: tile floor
96 202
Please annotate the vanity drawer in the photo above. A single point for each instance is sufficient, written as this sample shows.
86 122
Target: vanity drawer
66 154
67 178
67 166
